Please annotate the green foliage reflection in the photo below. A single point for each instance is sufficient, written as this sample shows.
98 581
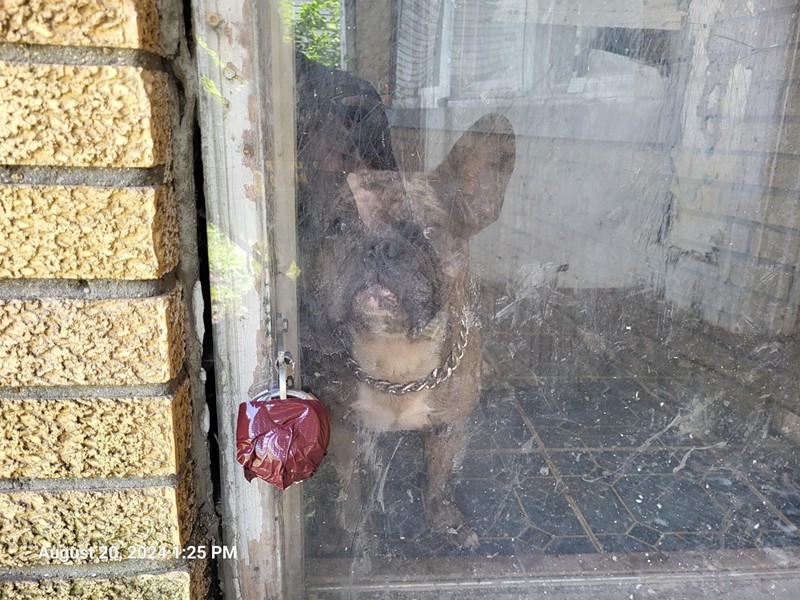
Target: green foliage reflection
317 31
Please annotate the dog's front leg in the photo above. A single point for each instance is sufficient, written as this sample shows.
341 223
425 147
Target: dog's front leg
345 457
444 450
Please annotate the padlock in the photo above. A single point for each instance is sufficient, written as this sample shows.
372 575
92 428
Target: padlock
282 435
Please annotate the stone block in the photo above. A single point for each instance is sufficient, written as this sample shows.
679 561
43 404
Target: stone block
173 585
64 341
80 232
83 116
112 23
779 246
93 527
94 437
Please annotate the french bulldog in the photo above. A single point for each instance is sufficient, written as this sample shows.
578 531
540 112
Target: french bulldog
389 338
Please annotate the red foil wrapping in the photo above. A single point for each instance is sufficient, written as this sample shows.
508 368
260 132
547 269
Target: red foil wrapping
282 441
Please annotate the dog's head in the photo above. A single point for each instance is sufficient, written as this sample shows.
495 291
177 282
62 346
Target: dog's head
389 250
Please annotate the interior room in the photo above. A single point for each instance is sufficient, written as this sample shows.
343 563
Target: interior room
637 296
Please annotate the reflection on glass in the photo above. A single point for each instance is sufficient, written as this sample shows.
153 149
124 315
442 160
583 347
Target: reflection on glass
635 298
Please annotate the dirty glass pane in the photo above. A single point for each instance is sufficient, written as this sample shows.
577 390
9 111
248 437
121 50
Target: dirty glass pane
550 293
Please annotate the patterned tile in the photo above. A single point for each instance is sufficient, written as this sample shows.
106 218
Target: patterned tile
653 451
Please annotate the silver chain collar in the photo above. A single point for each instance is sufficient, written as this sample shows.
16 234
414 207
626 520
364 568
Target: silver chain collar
439 375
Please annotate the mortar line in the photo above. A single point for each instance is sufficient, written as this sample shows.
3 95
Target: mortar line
107 177
88 56
127 568
87 484
71 392
87 289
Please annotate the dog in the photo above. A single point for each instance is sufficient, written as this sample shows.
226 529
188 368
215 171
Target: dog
386 325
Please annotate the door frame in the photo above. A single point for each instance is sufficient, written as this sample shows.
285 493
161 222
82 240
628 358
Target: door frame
246 112
245 72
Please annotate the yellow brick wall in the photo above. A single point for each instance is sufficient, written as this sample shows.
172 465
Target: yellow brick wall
113 23
95 116
65 341
81 437
84 232
96 362
168 585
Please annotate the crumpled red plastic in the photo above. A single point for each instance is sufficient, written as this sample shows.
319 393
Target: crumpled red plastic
282 441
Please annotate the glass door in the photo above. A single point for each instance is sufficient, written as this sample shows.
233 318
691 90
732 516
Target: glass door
546 280
625 178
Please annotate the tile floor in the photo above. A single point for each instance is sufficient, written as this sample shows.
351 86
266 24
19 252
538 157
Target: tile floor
613 425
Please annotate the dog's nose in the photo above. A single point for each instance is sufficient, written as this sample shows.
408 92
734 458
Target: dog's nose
383 250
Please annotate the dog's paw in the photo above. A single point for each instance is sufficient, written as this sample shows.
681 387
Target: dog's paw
447 520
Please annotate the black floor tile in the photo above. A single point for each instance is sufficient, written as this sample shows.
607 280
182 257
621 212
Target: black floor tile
547 508
669 456
622 543
669 503
491 508
570 545
684 542
604 512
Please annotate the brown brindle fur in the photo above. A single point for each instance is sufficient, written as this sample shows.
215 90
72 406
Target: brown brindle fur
386 260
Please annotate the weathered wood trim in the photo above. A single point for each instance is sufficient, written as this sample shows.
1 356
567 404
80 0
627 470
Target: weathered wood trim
246 114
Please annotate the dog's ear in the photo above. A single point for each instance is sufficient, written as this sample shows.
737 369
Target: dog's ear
472 179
